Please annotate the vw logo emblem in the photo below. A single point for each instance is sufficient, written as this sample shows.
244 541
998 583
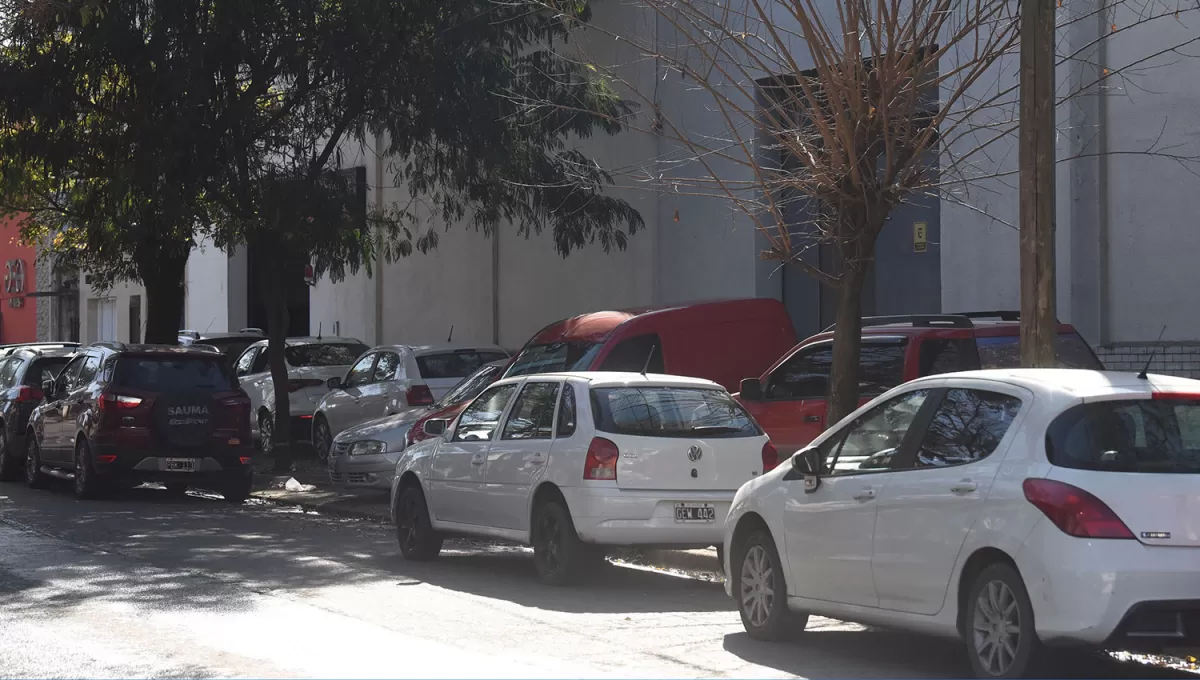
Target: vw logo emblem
694 454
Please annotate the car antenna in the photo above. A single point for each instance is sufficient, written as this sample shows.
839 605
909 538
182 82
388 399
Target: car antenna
451 336
1154 351
646 366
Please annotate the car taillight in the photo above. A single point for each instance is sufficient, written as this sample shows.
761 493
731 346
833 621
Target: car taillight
1074 511
770 456
118 402
29 393
419 395
601 460
302 383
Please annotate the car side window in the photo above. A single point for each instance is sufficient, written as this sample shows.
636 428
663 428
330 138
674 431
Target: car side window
532 415
874 438
245 363
804 376
566 412
636 353
361 372
67 378
8 372
385 367
480 420
967 426
90 367
261 362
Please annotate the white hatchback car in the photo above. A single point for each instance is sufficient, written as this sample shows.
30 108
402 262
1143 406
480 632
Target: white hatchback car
571 462
1014 509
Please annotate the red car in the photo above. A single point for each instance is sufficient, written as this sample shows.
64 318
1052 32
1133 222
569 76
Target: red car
788 400
457 398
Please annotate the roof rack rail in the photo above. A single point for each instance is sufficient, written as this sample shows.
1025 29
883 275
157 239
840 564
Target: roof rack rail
109 344
916 320
1003 315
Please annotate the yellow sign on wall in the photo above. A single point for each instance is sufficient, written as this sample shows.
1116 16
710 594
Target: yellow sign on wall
920 237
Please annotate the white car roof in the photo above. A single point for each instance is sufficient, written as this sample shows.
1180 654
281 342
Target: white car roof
422 350
614 379
1078 383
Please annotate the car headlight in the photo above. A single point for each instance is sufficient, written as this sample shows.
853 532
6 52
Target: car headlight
367 448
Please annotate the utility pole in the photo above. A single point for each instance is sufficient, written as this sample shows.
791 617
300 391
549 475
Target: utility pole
1039 323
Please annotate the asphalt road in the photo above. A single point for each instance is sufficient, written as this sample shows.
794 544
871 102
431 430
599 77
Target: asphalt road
145 585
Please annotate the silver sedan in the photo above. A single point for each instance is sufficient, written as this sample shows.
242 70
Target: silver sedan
365 455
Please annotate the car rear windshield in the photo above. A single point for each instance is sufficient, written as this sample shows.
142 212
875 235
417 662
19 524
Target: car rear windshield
457 364
1137 435
324 354
554 358
45 369
232 346
670 412
173 374
1005 352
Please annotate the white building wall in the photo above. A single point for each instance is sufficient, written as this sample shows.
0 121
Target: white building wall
207 284
93 302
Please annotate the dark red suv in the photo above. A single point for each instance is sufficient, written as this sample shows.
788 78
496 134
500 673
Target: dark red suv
788 400
126 414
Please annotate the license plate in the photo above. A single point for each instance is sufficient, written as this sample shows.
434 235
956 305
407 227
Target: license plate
685 512
181 465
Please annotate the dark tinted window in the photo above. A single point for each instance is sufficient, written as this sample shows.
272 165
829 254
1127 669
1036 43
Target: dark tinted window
947 356
967 426
70 372
1005 352
324 354
880 367
532 416
471 386
634 354
1128 436
45 369
90 367
804 376
454 364
481 418
385 366
554 358
261 361
670 412
170 374
566 412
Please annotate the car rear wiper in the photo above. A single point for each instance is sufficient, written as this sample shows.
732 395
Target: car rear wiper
715 429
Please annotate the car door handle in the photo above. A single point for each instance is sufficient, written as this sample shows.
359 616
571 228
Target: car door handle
538 459
478 461
812 419
865 495
965 486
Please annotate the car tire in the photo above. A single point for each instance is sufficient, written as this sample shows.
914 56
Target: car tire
10 466
720 558
266 430
561 557
236 492
87 484
761 590
1002 641
419 542
176 489
322 439
34 477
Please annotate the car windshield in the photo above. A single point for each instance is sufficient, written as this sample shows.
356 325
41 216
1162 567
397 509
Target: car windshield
324 354
1136 435
173 374
554 358
1070 351
470 387
457 364
670 412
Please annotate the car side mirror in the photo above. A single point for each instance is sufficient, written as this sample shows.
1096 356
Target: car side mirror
807 464
333 383
751 389
435 427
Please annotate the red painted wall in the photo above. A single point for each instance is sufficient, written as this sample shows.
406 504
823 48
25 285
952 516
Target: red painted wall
18 314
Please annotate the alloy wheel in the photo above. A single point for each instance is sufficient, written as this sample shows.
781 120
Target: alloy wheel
82 473
996 627
31 463
757 586
407 521
266 431
321 439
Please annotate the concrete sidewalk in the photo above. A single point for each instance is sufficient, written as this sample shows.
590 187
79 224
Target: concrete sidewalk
311 490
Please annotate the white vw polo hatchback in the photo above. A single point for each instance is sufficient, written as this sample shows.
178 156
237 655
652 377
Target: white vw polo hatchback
572 462
1016 510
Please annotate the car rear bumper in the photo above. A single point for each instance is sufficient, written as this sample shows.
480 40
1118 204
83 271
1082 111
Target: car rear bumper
610 516
1119 593
209 467
369 472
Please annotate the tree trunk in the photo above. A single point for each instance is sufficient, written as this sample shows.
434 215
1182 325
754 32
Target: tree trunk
277 327
847 343
163 276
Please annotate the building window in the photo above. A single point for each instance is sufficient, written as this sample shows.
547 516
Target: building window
135 318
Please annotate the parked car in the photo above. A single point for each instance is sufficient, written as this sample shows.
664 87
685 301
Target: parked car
230 344
6 350
789 398
393 379
142 413
21 377
311 362
365 455
1014 509
457 399
722 341
572 462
